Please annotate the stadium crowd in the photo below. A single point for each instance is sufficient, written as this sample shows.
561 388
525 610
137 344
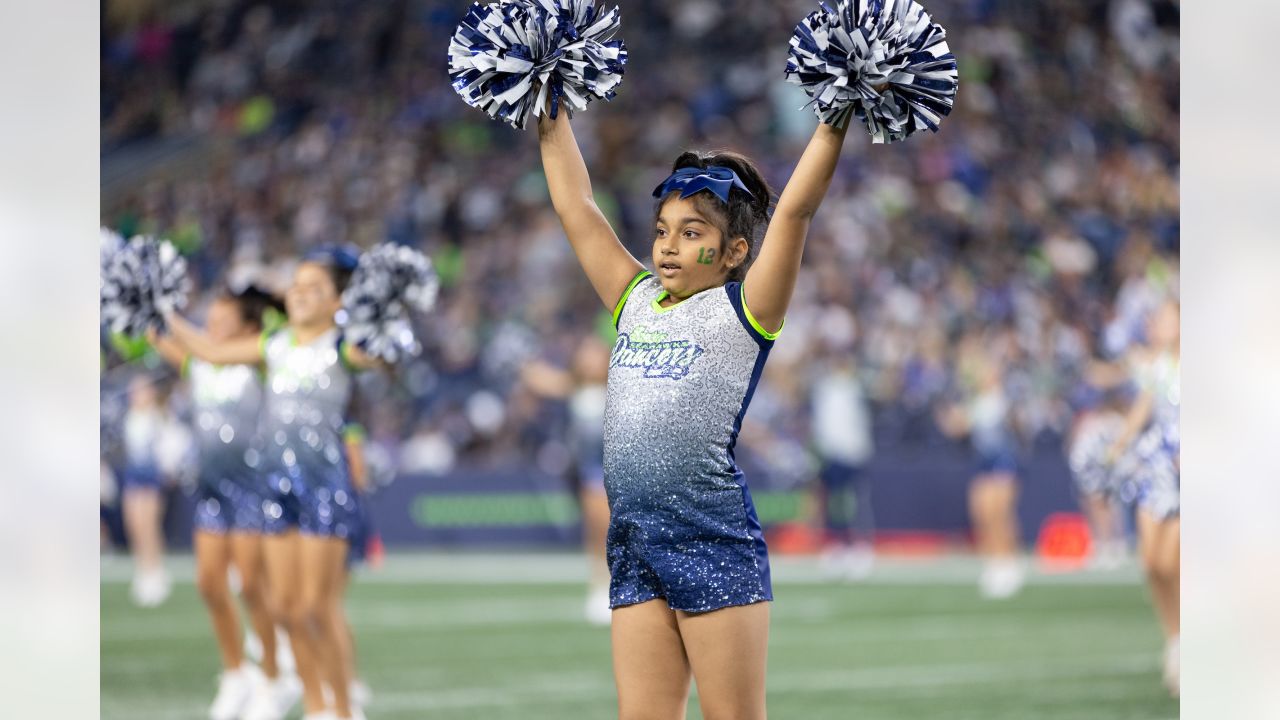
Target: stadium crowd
1040 226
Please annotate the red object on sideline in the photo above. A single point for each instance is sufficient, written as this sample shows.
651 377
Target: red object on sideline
1064 542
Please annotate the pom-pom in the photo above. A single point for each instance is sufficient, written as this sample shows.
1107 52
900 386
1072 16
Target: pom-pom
141 280
389 283
884 60
510 58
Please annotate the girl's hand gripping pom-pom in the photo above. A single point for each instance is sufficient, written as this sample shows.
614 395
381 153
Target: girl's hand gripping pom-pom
885 61
519 59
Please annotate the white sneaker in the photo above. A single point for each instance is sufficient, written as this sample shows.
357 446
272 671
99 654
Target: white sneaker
1001 579
831 562
235 688
150 589
360 693
597 609
253 646
284 651
1171 663
273 699
859 560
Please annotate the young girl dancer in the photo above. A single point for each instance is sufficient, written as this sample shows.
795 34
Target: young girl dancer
143 490
229 520
1151 427
583 387
311 510
993 491
690 572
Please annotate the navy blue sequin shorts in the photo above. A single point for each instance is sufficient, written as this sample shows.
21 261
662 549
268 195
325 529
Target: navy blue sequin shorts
694 566
224 506
323 509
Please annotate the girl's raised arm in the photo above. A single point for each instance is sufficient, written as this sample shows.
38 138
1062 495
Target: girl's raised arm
1135 421
241 351
772 276
608 265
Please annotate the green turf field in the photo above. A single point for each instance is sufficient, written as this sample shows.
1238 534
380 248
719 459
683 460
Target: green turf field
475 637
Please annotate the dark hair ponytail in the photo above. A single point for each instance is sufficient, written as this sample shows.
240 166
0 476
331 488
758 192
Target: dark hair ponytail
744 216
253 304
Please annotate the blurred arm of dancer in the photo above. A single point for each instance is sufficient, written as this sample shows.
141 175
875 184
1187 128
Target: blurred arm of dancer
1134 422
232 351
244 350
172 352
547 381
353 437
772 277
1106 375
607 263
953 420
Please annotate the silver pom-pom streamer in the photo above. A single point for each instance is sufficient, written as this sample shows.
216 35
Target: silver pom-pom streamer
142 279
517 59
885 61
389 283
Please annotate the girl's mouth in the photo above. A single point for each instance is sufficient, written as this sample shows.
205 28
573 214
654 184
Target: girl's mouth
668 268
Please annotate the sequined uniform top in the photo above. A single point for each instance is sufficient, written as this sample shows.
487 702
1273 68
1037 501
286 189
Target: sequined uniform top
227 404
683 526
308 390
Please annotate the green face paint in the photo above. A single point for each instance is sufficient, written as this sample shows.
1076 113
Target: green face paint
706 256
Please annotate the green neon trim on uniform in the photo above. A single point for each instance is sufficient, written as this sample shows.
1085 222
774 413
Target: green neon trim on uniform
752 318
344 352
617 309
354 431
262 342
657 303
185 368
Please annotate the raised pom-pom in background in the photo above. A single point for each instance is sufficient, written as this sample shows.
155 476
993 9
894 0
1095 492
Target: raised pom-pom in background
389 283
509 58
885 61
141 280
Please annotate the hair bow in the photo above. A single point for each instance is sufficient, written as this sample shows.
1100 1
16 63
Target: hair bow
343 257
717 179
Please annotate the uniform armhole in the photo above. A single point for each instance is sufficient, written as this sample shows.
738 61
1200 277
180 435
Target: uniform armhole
622 301
749 320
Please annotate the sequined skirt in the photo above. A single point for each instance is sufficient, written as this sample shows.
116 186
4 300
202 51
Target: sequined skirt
698 557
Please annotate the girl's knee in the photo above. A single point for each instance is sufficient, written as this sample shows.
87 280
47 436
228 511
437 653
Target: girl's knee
252 588
212 586
1158 567
307 612
732 709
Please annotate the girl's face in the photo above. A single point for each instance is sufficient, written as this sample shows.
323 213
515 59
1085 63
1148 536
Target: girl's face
689 254
312 299
224 321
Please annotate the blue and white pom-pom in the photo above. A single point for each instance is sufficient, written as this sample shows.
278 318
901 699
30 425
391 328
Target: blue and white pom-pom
390 282
510 58
885 61
141 280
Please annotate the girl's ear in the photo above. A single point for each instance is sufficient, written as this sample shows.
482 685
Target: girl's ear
737 253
